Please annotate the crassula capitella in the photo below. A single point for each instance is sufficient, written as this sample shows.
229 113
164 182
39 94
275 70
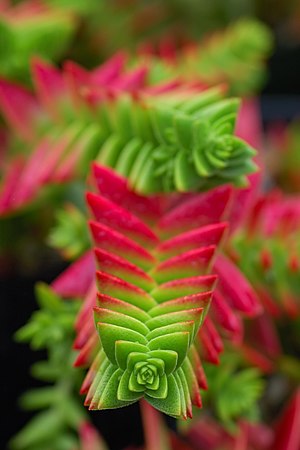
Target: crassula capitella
156 261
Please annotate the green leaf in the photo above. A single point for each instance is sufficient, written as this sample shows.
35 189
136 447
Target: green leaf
162 121
177 342
139 164
169 357
124 393
162 391
128 156
185 176
70 234
208 97
124 349
240 394
134 385
174 327
182 396
72 411
109 399
39 398
121 320
135 357
186 316
7 40
47 298
26 333
40 429
147 182
183 131
110 334
170 405
45 371
203 167
183 144
110 151
122 117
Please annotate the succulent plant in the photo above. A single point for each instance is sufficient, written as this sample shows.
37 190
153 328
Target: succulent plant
32 28
158 314
155 289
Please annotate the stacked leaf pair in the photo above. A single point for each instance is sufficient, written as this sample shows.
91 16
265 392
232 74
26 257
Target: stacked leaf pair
155 288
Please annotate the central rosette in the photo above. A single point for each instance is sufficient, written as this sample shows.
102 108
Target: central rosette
146 374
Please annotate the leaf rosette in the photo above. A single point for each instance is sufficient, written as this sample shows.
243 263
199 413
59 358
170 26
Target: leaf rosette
145 375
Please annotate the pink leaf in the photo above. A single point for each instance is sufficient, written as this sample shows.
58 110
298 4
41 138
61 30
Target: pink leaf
235 288
109 71
19 108
77 278
114 187
196 211
50 86
121 220
9 184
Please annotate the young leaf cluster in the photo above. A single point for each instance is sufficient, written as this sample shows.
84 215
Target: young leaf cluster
47 34
176 143
273 268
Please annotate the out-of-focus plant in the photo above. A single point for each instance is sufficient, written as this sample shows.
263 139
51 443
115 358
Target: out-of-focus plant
233 394
234 56
31 28
282 434
283 155
70 234
267 250
51 328
109 24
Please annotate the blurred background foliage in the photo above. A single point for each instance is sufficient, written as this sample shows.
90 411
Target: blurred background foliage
88 31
